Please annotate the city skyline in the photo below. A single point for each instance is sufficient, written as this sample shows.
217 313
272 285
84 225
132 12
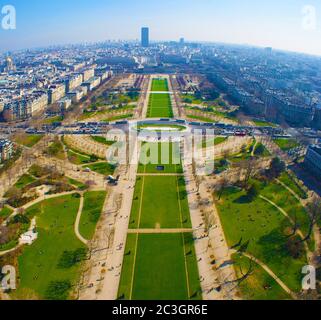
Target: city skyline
282 26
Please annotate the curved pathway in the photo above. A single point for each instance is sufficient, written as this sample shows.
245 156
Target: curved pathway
316 231
254 148
36 201
271 273
299 232
77 222
290 190
41 199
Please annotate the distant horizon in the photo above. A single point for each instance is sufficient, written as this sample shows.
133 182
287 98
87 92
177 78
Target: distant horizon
187 41
292 25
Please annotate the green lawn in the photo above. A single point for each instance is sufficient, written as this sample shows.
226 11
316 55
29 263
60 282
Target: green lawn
159 127
201 118
261 151
5 212
260 285
166 155
213 142
76 183
102 140
56 149
107 111
244 154
265 228
103 168
160 266
24 181
261 123
93 206
77 158
283 198
28 140
160 106
161 272
286 144
164 203
159 85
120 117
220 166
53 119
289 180
38 264
190 98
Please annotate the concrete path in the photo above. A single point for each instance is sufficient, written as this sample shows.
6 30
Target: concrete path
254 148
291 191
77 222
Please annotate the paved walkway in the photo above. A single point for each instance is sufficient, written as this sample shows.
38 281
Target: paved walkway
77 222
210 245
254 148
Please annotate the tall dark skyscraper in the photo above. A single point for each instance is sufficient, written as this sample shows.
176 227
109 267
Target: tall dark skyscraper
145 37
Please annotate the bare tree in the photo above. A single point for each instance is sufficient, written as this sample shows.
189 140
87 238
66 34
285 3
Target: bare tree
314 210
4 234
208 221
249 168
221 185
295 228
244 275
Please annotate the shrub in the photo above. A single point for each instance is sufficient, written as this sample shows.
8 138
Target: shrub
20 218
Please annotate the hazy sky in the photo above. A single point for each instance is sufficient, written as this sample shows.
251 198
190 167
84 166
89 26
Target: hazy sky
276 23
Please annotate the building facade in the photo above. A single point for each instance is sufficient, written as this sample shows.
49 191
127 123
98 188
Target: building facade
73 82
313 160
6 150
145 37
56 92
25 107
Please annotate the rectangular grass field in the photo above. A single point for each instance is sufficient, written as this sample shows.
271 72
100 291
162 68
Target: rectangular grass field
168 158
160 269
160 106
160 202
160 85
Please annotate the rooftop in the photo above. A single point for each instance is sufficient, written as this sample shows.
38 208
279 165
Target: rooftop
4 142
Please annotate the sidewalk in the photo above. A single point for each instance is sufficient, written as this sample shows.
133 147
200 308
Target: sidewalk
209 248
